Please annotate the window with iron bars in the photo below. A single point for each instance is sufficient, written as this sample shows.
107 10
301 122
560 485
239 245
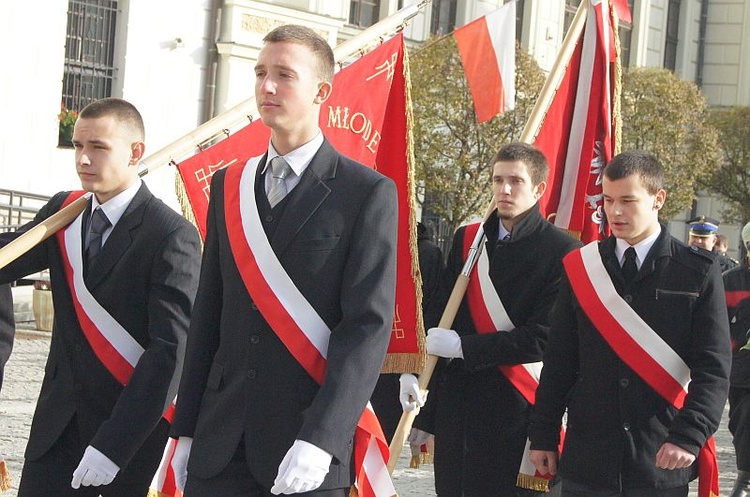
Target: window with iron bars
89 54
364 13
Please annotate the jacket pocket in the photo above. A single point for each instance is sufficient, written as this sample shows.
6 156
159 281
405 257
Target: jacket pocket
214 376
662 293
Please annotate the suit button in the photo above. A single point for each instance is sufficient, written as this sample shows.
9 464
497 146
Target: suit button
624 382
253 306
78 387
626 426
78 347
628 298
250 374
269 218
254 339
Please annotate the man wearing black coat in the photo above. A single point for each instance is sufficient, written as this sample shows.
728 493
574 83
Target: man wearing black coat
623 438
480 416
7 328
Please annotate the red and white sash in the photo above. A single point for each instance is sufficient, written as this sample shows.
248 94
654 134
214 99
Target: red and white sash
489 316
636 343
117 350
293 318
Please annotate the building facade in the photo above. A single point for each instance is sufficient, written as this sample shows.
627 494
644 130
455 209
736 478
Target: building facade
184 61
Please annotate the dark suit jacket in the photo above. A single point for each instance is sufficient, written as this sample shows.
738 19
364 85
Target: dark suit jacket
616 422
337 240
146 277
7 328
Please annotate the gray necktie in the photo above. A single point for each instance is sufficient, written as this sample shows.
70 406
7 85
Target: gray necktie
279 171
99 224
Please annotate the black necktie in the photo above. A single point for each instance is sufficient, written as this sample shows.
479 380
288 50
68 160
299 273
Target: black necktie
506 237
99 224
629 267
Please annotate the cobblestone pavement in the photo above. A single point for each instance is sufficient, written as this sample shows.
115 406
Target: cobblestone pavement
23 377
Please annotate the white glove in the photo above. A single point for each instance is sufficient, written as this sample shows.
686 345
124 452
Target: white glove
303 469
418 437
94 469
444 343
180 461
410 396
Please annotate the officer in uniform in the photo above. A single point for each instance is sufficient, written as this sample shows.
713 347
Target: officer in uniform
703 231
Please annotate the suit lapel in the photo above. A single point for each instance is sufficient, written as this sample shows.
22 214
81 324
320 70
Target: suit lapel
306 197
119 240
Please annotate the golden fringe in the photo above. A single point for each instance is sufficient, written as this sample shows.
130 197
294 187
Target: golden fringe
5 478
530 482
617 97
184 200
410 362
156 493
422 458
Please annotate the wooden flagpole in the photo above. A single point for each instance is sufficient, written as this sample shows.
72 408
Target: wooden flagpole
530 130
187 144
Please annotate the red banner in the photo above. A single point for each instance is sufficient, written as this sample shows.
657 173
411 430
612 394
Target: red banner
367 95
578 132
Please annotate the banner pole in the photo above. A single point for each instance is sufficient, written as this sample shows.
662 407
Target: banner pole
536 118
189 142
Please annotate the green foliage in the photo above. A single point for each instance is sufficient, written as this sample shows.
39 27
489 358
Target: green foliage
452 151
731 180
668 117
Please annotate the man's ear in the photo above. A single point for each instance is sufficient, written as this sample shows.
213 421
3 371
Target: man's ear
540 189
324 91
137 149
661 197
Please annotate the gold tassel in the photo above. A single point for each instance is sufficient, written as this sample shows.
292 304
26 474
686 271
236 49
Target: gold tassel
5 478
531 482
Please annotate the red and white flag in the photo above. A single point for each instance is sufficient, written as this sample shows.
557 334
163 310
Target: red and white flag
488 53
578 133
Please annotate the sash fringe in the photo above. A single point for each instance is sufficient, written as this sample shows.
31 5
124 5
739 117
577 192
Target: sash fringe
5 478
531 482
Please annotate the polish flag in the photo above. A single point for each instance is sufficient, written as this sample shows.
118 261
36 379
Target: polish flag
488 53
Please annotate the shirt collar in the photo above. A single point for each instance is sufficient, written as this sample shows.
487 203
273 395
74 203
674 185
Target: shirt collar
642 248
299 158
115 207
501 230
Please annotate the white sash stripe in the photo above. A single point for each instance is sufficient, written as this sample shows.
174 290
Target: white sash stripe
311 324
630 321
111 330
496 309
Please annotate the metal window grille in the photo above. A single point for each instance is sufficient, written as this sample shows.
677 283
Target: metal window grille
443 17
364 13
89 52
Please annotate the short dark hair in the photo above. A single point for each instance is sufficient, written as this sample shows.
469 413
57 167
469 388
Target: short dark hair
301 35
532 158
122 110
644 164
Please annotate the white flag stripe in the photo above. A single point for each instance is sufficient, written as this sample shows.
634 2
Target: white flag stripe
501 25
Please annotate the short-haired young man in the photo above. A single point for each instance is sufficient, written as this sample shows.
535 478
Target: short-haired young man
296 299
124 275
480 412
637 317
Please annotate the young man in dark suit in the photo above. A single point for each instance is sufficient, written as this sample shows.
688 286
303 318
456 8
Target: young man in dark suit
478 411
7 328
296 299
124 275
638 316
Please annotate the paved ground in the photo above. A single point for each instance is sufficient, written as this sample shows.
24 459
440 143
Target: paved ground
23 378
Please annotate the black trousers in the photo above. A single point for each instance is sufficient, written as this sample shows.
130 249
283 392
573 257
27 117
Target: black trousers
51 474
573 489
236 481
739 425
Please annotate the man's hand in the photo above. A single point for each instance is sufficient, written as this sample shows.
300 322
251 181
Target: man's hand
94 469
444 343
180 461
410 396
671 456
303 469
545 461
